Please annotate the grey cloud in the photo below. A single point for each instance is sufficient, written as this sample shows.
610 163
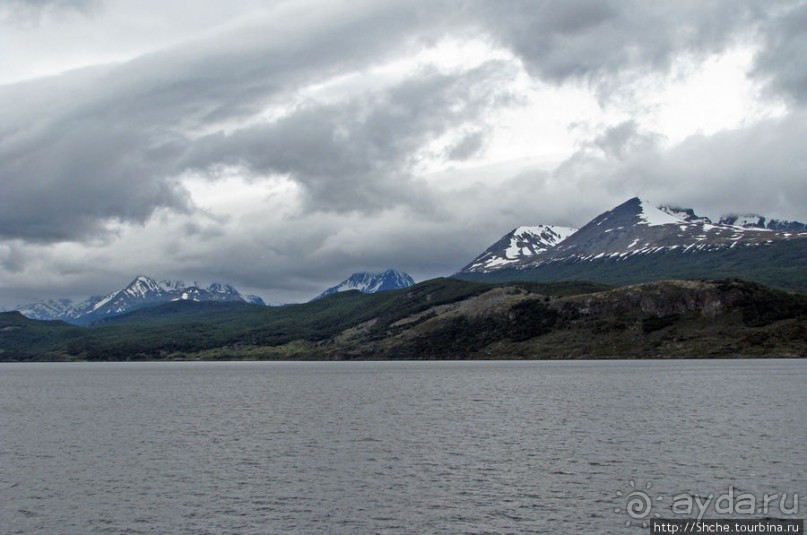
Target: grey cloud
783 59
755 169
759 168
470 145
595 41
358 155
30 12
103 144
80 174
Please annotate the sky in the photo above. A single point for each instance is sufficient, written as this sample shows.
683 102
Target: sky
281 146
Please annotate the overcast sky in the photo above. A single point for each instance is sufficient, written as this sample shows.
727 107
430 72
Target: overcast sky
280 146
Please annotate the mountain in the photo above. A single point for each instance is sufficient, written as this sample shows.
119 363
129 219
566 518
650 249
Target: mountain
518 245
637 242
142 292
370 283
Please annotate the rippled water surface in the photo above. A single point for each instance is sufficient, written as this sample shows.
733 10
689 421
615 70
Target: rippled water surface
388 447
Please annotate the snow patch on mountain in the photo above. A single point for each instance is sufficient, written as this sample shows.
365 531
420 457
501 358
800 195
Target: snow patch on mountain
652 216
529 241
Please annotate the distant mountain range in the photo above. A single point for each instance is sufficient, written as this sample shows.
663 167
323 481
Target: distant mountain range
633 243
638 242
370 283
142 292
145 292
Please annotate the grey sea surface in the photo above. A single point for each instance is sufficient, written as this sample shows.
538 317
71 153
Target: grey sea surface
391 447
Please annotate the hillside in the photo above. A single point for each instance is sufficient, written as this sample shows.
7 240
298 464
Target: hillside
445 319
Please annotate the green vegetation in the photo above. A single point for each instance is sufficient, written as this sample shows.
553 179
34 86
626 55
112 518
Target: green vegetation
24 339
762 306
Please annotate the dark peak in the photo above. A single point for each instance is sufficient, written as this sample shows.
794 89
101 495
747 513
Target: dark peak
624 214
743 220
221 288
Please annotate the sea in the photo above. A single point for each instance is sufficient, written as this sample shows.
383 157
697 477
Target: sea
500 447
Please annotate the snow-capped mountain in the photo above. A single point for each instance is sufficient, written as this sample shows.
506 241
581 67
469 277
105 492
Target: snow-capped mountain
633 229
519 245
142 292
371 283
637 227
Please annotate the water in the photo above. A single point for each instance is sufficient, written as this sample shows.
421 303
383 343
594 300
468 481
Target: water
388 447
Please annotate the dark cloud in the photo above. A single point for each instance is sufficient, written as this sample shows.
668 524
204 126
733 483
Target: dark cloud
595 40
69 179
